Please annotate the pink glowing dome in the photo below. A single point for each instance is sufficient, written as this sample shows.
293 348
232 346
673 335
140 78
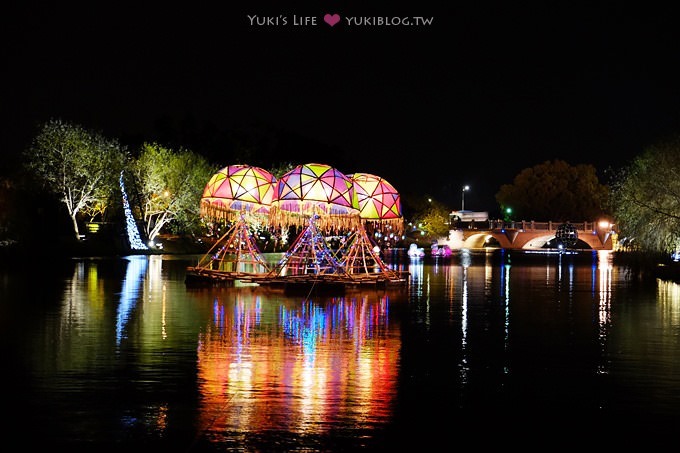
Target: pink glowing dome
315 190
238 189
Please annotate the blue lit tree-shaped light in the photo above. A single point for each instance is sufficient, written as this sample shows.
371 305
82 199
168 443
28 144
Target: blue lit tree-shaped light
133 235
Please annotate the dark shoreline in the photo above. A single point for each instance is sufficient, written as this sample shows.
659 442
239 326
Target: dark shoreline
642 266
649 266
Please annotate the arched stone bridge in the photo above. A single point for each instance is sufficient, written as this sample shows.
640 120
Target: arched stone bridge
528 235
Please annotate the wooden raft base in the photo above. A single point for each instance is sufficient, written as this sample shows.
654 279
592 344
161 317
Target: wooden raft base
304 283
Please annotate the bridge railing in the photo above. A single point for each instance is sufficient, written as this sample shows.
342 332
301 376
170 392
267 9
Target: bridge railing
532 225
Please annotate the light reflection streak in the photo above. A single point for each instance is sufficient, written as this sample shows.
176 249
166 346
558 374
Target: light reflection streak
451 291
156 284
298 366
604 267
130 293
668 294
91 304
559 273
78 306
416 276
594 270
92 280
419 287
488 272
505 284
570 276
464 366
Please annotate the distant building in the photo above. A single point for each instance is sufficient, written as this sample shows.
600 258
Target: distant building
468 216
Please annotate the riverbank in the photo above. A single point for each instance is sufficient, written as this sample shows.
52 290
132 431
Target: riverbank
670 272
642 266
97 246
649 266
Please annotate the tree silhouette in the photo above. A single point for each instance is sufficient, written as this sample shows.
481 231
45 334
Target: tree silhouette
555 190
80 167
646 199
168 187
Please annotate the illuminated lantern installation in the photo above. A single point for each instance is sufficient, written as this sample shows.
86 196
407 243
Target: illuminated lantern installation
380 210
314 197
230 195
235 190
314 190
379 202
318 198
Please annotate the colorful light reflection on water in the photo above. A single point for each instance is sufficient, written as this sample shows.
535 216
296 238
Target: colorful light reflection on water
120 352
286 367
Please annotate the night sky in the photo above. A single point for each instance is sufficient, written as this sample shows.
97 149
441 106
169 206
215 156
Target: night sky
471 98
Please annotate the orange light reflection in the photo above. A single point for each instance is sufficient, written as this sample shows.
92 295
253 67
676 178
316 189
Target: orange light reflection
297 366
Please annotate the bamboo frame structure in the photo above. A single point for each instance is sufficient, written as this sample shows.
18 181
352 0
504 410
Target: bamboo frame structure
235 256
308 254
359 258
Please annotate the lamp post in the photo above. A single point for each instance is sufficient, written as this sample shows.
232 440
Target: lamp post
462 201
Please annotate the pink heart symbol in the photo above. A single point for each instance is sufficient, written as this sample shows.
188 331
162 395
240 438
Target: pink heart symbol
331 19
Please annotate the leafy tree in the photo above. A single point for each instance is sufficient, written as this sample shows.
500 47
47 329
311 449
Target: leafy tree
281 168
646 198
555 191
169 185
80 167
433 219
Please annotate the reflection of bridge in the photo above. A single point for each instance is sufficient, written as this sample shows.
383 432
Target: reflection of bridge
529 235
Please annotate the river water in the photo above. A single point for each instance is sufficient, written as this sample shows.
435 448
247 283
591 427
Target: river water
483 350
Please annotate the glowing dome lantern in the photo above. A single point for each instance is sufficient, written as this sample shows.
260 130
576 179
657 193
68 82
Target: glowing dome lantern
379 202
315 190
229 195
379 205
238 189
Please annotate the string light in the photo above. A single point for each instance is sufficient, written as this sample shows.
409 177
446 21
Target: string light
130 225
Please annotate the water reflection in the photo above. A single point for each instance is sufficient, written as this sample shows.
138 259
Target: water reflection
299 366
505 298
669 301
465 262
134 277
604 277
123 349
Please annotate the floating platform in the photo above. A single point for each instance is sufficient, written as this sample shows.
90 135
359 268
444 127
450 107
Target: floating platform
197 276
330 283
302 283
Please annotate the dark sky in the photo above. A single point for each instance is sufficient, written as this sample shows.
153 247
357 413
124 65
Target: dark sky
472 98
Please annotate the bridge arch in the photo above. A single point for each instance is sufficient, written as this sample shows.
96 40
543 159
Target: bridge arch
530 236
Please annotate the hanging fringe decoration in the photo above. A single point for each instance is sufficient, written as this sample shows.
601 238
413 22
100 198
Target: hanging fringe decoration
315 198
238 188
314 191
280 218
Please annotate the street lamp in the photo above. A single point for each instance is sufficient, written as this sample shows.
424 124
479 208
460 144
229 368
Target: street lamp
462 202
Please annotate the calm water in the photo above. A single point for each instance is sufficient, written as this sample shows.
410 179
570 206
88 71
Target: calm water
485 350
